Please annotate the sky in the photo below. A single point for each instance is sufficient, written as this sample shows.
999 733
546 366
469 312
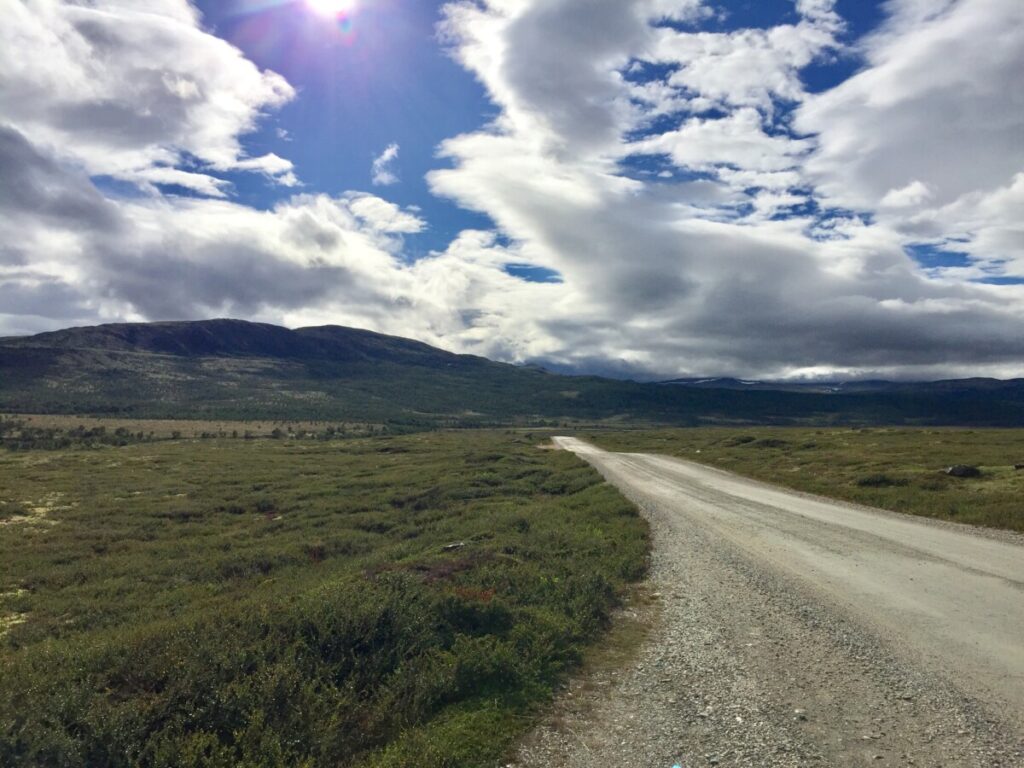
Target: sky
776 189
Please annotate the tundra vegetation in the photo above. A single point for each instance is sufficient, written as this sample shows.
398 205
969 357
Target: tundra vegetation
901 469
370 602
56 431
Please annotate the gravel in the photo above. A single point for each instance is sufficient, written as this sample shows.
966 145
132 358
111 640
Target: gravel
752 664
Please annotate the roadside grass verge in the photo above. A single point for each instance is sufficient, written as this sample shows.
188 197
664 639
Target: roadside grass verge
899 469
379 602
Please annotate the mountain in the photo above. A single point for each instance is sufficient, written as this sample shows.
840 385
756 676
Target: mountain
237 369
233 368
238 338
1014 388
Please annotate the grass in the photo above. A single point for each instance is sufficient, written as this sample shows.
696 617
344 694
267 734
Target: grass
178 428
893 468
376 602
20 432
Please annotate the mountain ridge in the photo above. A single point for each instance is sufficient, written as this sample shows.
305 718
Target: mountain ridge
226 336
974 383
237 369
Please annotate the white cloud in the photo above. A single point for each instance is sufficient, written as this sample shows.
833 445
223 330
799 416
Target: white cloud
738 141
68 255
270 165
655 275
384 216
131 90
915 193
929 140
200 183
986 225
697 229
383 173
748 67
921 113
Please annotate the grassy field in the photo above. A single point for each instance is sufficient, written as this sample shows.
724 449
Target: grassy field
387 601
897 469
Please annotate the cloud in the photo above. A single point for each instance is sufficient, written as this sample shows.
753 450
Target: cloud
35 184
139 92
383 173
73 256
748 67
917 115
738 141
760 270
706 212
915 193
931 144
181 257
383 216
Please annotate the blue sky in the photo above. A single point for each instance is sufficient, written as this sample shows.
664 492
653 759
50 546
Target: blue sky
648 188
382 76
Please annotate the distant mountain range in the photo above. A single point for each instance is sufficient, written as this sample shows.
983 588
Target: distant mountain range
237 369
1012 387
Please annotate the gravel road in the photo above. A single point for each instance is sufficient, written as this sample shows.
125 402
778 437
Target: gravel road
793 630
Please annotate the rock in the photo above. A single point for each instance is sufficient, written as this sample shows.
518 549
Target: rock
963 470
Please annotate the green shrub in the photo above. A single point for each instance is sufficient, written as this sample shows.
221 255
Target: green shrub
337 628
9 509
880 480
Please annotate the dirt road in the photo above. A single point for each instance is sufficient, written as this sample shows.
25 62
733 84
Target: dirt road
793 630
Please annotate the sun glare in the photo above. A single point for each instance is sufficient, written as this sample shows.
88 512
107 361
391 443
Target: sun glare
331 7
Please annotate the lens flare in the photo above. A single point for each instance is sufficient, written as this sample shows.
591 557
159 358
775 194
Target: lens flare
331 7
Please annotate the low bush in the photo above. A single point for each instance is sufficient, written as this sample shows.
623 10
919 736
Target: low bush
343 631
11 509
880 480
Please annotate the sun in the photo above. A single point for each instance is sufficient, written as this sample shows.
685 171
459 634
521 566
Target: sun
331 7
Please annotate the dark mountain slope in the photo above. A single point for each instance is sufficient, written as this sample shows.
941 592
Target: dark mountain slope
236 369
237 338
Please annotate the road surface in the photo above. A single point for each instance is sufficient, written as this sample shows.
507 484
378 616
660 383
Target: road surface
793 630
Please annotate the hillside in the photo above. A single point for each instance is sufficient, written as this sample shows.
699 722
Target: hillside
236 369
